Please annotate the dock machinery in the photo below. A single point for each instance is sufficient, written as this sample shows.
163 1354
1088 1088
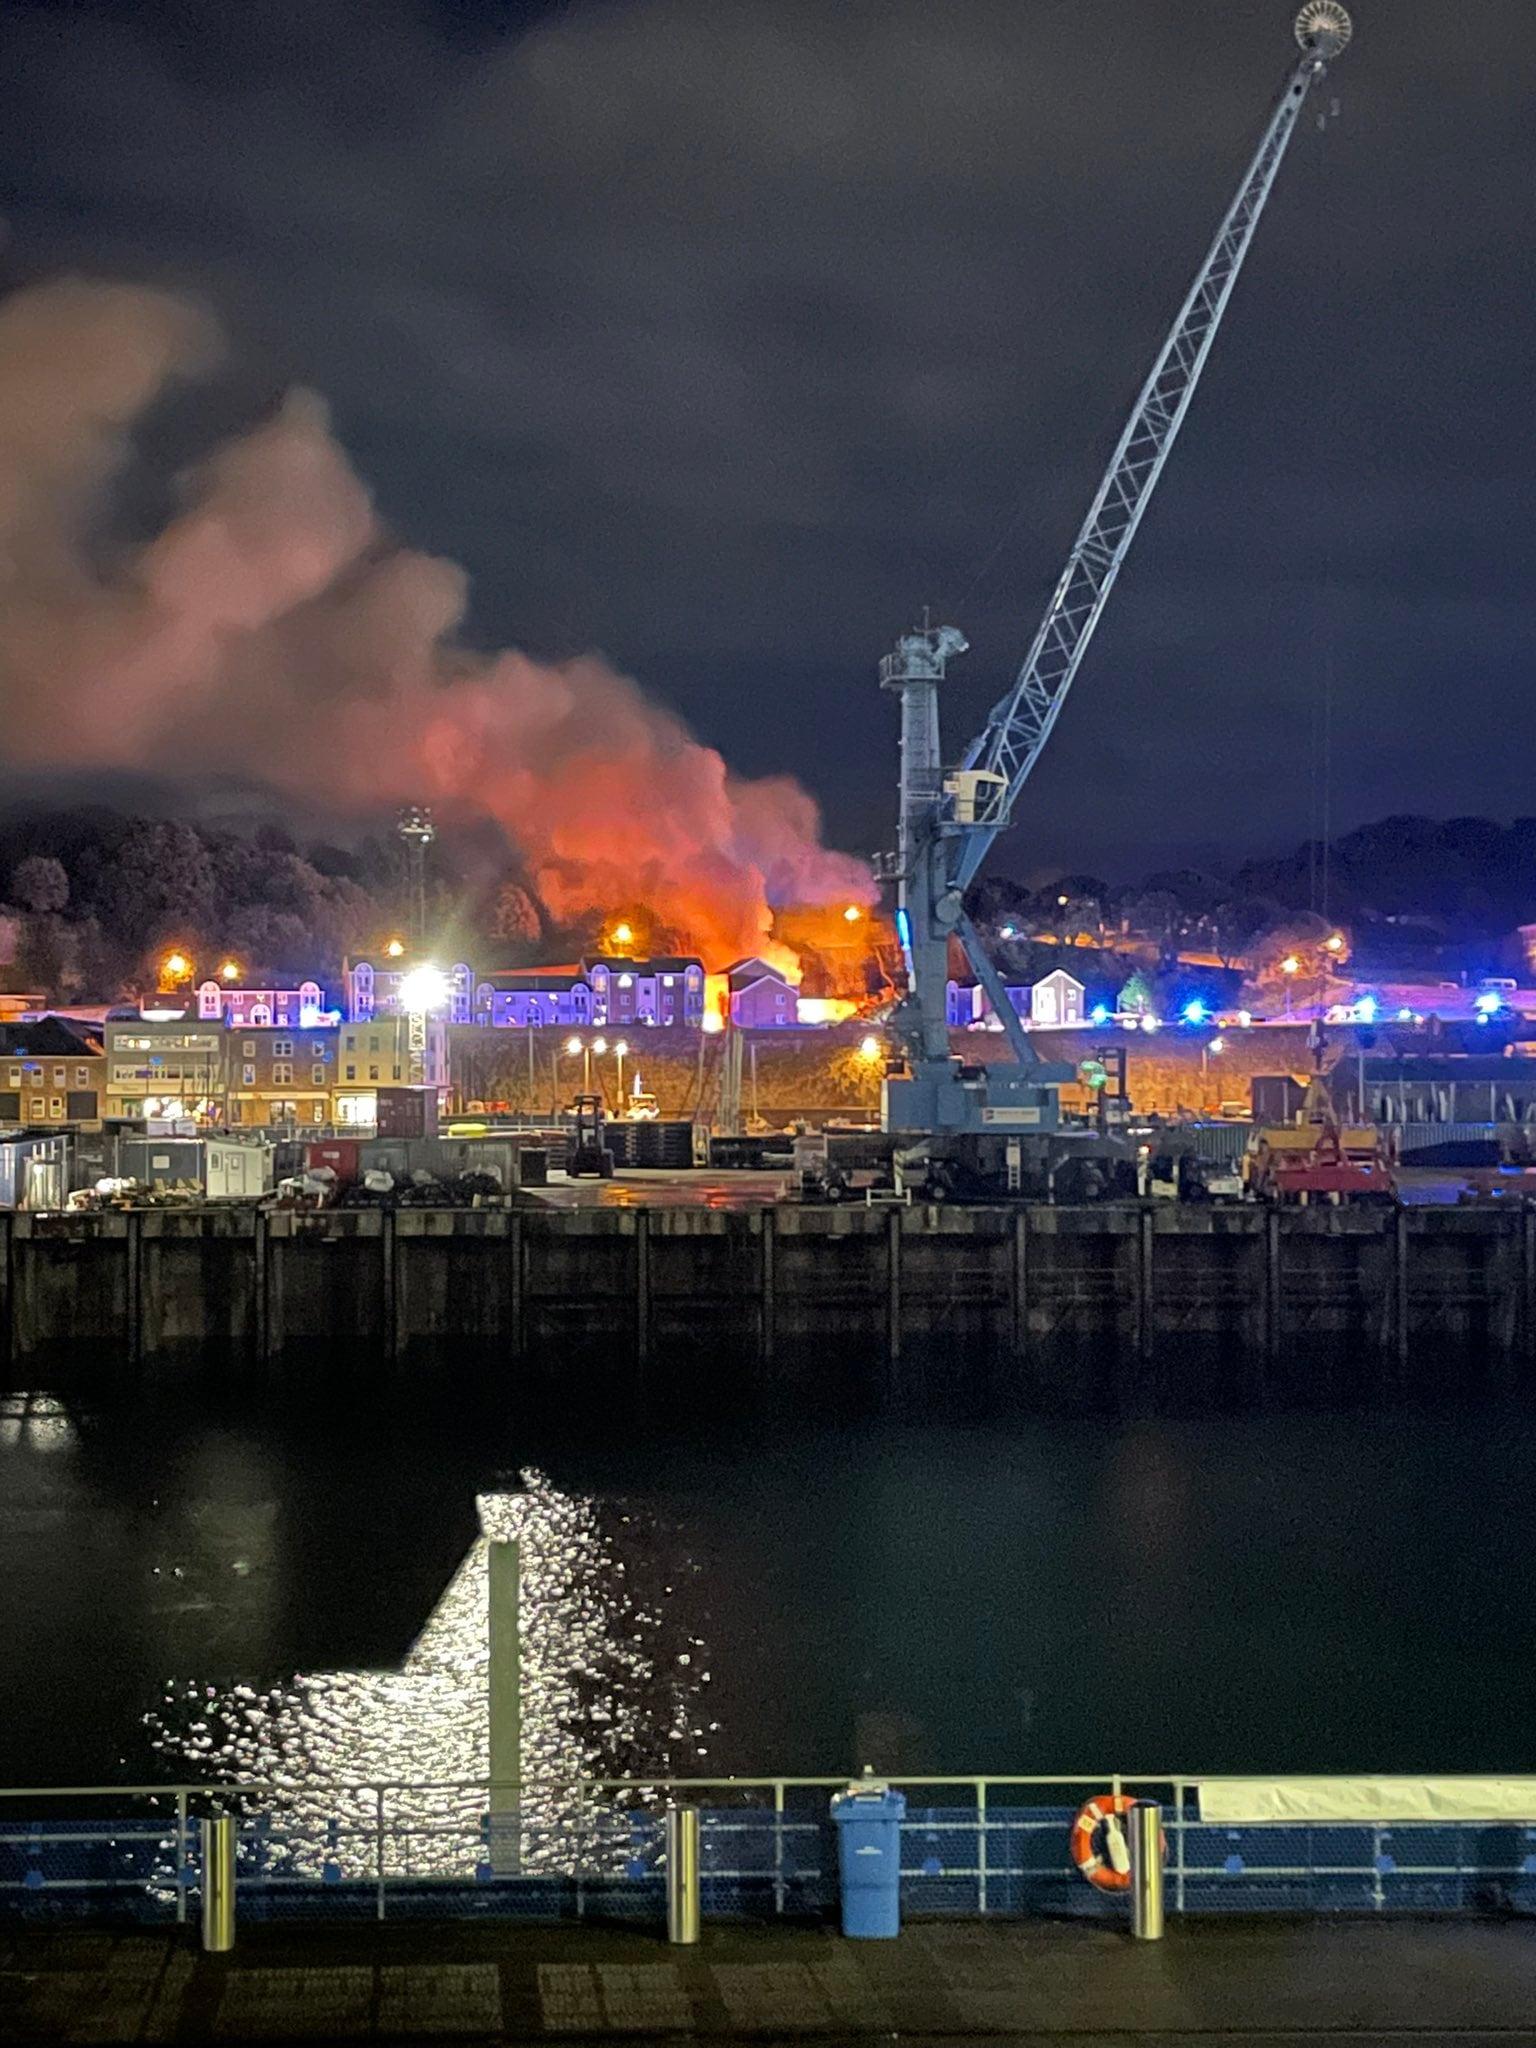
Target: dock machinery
950 817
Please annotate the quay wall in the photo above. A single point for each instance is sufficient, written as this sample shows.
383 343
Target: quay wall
1147 1297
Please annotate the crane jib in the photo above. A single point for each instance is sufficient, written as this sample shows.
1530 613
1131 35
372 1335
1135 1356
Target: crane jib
1020 723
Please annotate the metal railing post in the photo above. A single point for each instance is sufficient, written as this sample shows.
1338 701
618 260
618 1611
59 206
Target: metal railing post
981 1845
181 1859
1178 1847
778 1845
1146 1846
682 1874
378 1850
219 1883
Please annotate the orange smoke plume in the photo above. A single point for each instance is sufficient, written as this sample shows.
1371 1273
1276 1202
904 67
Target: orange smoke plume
275 626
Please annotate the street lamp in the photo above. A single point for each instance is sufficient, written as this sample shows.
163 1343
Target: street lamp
619 1052
230 971
177 968
1290 967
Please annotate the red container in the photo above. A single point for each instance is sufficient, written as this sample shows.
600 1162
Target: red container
341 1155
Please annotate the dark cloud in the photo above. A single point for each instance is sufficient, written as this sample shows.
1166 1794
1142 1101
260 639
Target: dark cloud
723 338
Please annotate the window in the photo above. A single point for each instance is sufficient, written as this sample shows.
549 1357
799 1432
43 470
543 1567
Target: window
373 1041
38 1110
282 1048
82 1077
249 1048
373 1073
247 1077
317 1047
351 1073
60 1076
317 1114
282 1073
317 1074
15 1077
56 1105
397 1073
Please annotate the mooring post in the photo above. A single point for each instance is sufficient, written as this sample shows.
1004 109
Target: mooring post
516 1280
893 1282
504 1701
1020 1282
261 1286
133 1252
767 1223
1400 1325
642 1288
394 1334
1273 1276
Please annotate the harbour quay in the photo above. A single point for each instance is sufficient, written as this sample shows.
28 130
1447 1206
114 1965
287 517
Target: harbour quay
1162 1298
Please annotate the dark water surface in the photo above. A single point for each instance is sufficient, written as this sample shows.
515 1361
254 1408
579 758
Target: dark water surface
201 1581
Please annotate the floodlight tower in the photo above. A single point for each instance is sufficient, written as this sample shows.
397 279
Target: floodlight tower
417 832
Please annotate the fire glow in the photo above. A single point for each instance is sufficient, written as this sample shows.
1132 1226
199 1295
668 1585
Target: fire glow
275 620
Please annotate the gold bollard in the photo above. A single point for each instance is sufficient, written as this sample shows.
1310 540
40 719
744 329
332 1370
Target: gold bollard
218 1837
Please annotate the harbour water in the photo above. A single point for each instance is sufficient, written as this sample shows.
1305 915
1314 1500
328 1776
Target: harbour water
204 1578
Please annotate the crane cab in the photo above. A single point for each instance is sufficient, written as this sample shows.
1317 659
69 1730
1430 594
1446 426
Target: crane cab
976 795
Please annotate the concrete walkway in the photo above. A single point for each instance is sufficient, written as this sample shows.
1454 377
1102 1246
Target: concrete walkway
1262 1983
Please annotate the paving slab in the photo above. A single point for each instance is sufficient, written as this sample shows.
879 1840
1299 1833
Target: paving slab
1265 1984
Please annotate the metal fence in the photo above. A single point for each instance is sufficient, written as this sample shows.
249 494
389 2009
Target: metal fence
970 1846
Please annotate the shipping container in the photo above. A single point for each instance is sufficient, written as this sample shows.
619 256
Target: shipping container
340 1155
407 1113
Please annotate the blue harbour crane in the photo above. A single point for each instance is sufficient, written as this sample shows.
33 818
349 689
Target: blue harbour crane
949 818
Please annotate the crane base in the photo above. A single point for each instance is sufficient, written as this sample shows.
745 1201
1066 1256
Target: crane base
946 1095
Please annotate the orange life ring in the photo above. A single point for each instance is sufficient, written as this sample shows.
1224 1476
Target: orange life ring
1086 1836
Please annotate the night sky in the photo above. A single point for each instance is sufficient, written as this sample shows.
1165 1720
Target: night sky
721 338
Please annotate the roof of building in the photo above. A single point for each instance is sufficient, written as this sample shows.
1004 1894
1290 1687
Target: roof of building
616 963
48 1038
753 968
534 980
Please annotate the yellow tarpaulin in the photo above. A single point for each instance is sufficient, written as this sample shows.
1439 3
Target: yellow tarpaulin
1236 1801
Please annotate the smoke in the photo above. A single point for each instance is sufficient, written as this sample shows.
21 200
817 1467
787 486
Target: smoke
273 628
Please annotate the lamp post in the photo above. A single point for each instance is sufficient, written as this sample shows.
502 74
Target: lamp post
619 1052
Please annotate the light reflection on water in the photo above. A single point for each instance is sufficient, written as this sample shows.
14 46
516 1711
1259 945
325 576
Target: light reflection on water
613 1685
39 1422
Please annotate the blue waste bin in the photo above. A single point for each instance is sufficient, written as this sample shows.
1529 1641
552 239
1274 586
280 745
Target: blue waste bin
868 1821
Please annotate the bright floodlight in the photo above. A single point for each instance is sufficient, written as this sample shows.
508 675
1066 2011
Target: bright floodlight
573 1045
423 989
870 1048
853 913
599 1045
230 970
621 1048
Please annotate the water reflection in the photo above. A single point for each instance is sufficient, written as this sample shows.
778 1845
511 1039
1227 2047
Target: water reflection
614 1684
35 1422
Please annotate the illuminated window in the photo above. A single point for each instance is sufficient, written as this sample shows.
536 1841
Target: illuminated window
15 1077
59 1077
318 1113
667 980
626 981
56 1105
82 1077
39 1109
248 1077
373 1073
